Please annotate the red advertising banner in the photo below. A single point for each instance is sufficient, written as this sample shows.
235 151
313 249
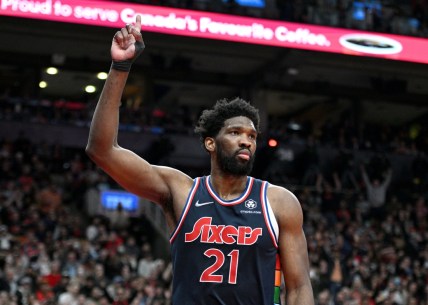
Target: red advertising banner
223 27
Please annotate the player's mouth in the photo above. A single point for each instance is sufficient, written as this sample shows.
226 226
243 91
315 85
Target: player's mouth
244 154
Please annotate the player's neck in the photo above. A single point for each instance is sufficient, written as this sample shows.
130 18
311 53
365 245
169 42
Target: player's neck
228 187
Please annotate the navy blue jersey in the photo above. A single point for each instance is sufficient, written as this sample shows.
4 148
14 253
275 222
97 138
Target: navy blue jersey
224 252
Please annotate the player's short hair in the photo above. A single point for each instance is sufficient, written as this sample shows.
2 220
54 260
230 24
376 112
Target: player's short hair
212 120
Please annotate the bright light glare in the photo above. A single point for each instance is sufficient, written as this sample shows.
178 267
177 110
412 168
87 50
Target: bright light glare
43 84
90 89
52 71
272 143
102 75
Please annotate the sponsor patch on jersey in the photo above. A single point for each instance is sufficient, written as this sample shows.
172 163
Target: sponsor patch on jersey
250 204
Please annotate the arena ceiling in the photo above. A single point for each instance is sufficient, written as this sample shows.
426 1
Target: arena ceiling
189 71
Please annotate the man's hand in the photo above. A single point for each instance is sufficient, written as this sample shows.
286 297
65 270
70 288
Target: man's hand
127 45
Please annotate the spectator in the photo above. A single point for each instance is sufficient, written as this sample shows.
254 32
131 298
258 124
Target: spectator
6 239
71 295
44 293
147 265
324 298
9 280
70 264
53 277
119 218
49 198
376 192
24 293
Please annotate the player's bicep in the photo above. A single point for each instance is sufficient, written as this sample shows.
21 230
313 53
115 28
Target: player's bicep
292 240
294 258
135 174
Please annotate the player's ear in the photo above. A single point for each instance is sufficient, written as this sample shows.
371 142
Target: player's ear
209 144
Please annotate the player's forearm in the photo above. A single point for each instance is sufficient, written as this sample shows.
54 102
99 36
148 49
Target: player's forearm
301 296
105 122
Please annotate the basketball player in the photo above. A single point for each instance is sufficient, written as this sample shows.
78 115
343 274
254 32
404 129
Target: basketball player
229 231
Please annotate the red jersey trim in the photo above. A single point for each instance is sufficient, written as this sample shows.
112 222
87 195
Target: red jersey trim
264 201
239 200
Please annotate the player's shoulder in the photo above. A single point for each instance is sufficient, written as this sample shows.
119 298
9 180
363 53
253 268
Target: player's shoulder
283 201
280 193
174 177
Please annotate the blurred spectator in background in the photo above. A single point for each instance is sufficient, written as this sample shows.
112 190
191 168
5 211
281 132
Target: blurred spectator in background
119 217
71 295
376 190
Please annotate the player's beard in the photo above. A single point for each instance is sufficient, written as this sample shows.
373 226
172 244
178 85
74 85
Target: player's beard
232 164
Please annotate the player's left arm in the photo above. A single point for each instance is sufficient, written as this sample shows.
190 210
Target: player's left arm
292 246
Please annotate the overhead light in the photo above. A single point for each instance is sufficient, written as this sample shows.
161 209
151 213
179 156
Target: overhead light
272 143
90 89
293 71
52 71
102 75
43 84
295 126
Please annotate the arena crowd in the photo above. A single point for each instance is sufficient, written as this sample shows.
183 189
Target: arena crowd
366 225
367 238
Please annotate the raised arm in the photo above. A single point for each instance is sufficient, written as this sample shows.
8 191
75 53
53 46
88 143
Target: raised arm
127 168
292 246
365 176
388 178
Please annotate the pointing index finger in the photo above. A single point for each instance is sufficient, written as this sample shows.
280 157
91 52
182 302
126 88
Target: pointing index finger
138 23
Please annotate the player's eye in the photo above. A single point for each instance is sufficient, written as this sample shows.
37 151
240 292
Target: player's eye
252 137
